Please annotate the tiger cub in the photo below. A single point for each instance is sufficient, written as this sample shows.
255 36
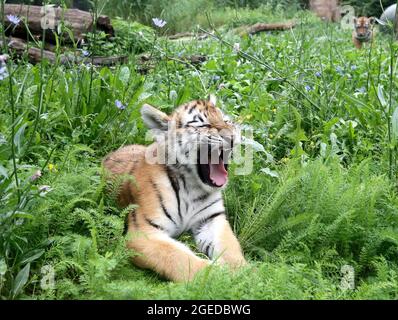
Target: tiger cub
177 183
363 31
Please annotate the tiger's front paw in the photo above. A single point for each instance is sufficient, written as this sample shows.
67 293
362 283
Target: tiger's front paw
233 262
195 268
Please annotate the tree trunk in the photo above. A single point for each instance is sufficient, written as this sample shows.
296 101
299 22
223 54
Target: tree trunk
19 48
326 9
79 22
260 27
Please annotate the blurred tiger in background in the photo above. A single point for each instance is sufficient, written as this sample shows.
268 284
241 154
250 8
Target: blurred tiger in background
363 31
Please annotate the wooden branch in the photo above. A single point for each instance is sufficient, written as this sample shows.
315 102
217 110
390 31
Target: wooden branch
188 35
181 35
196 59
20 48
260 27
145 62
107 61
79 22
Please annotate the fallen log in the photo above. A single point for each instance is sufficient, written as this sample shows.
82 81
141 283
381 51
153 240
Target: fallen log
35 17
260 27
188 36
181 35
19 48
195 59
107 61
145 62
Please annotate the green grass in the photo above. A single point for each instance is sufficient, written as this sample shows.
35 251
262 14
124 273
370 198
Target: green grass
322 194
296 248
185 15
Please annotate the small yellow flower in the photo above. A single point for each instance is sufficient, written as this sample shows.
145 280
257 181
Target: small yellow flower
249 116
52 167
284 160
271 135
274 110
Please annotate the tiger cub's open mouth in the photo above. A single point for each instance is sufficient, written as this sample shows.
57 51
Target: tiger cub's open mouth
213 170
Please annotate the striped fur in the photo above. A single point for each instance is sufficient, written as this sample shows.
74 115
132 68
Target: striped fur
180 196
363 31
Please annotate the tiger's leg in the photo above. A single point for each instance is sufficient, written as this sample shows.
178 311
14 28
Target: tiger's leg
215 238
159 252
356 42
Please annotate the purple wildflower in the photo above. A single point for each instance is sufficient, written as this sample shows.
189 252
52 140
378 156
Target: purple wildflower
159 22
173 95
13 19
36 175
3 72
308 88
120 105
339 70
236 47
318 74
3 58
44 190
353 67
85 53
216 78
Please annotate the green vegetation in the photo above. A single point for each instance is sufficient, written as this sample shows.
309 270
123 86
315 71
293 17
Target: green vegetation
185 15
322 194
370 8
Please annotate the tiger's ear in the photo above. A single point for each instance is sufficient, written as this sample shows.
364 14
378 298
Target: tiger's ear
372 20
154 118
355 20
213 99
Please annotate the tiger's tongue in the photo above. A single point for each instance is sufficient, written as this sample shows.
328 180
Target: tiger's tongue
218 174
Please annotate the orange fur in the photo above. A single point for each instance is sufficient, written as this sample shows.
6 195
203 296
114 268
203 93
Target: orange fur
363 31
